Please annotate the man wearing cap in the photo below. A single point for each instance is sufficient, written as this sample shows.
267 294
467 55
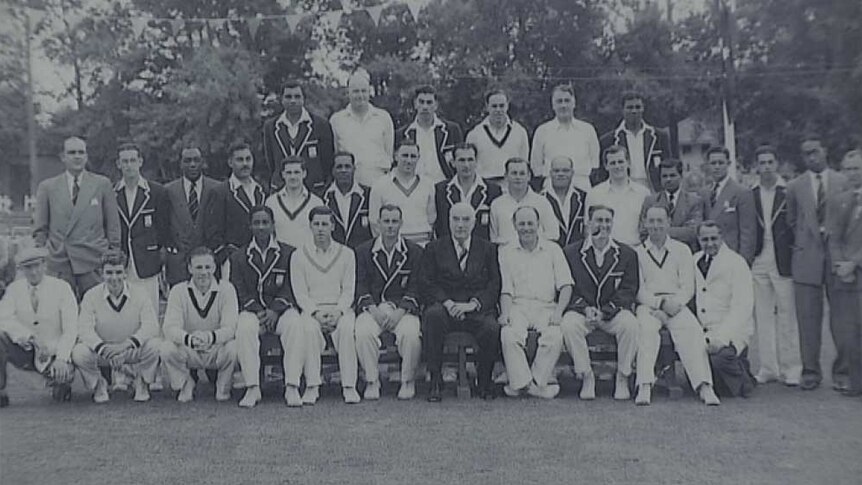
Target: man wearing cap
38 325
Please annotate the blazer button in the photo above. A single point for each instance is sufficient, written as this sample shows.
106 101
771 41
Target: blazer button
703 290
703 310
35 323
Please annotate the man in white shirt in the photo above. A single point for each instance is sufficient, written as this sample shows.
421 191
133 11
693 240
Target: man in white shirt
435 136
292 203
566 136
364 130
666 287
534 272
620 194
498 138
519 194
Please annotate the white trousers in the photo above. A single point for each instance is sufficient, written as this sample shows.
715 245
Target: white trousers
688 340
513 339
407 340
624 326
303 342
178 359
775 318
248 332
143 362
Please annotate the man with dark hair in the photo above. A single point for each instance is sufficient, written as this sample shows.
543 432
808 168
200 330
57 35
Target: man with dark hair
226 218
684 206
465 186
292 203
349 203
730 205
568 202
519 194
497 138
647 145
296 133
620 194
118 328
435 136
260 272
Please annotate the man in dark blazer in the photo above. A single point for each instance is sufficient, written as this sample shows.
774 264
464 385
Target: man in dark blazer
260 272
568 202
606 279
461 287
189 196
144 223
844 226
434 165
296 132
465 186
807 213
349 203
777 332
76 219
730 205
632 133
685 207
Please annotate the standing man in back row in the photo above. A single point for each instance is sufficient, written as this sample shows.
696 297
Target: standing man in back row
435 136
730 205
497 138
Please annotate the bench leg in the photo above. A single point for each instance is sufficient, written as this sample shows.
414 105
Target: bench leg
463 383
673 377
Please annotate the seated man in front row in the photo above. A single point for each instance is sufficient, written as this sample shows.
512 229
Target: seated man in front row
118 328
724 294
38 325
666 287
606 283
387 300
260 272
199 327
533 272
461 286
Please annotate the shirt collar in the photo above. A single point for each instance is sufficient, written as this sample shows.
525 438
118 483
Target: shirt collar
107 294
548 188
454 181
372 111
71 178
437 122
622 128
676 193
197 183
235 183
540 246
466 243
720 185
651 247
779 183
142 183
203 296
283 119
253 245
400 246
354 189
589 244
487 122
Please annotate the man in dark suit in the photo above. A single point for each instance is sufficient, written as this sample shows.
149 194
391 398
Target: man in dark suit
685 207
435 136
260 272
568 202
777 332
296 132
648 146
465 186
144 223
461 287
226 218
807 213
730 205
76 219
606 279
189 195
349 203
844 226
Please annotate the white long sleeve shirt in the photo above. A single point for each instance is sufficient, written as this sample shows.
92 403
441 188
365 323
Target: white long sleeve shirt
725 299
665 272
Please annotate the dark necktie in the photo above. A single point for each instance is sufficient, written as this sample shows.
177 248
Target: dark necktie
193 202
76 188
462 256
714 196
821 200
704 263
670 203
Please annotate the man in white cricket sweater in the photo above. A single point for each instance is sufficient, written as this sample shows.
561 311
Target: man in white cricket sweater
118 328
200 324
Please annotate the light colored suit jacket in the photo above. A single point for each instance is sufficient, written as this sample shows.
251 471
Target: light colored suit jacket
844 226
55 325
725 299
735 214
77 234
810 262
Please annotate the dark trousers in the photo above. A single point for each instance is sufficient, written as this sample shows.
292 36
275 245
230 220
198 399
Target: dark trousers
17 356
846 322
484 328
731 372
80 283
809 314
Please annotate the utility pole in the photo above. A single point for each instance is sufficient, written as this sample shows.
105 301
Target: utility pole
31 114
726 13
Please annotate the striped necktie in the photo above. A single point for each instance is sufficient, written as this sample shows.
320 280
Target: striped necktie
76 189
193 202
821 199
462 256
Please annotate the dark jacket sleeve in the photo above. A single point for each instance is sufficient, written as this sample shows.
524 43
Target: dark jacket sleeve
246 293
284 299
364 296
577 303
490 295
624 297
214 224
429 277
326 147
440 203
410 301
747 225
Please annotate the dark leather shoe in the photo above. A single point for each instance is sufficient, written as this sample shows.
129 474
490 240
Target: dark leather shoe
435 393
840 385
809 385
488 393
4 400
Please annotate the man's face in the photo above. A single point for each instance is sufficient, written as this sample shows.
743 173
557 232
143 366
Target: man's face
425 104
656 223
241 163
852 168
465 162
561 173
617 166
34 271
814 155
293 175
342 170
74 155
202 269
498 108
191 164
633 111
518 176
527 226
114 276
129 163
670 179
408 157
321 229
718 164
710 239
261 225
358 92
602 221
292 100
767 167
563 104
461 223
390 223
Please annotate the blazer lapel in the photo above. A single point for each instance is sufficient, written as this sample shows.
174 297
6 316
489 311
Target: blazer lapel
778 204
356 202
479 195
649 144
85 198
441 136
453 194
758 207
142 198
329 200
